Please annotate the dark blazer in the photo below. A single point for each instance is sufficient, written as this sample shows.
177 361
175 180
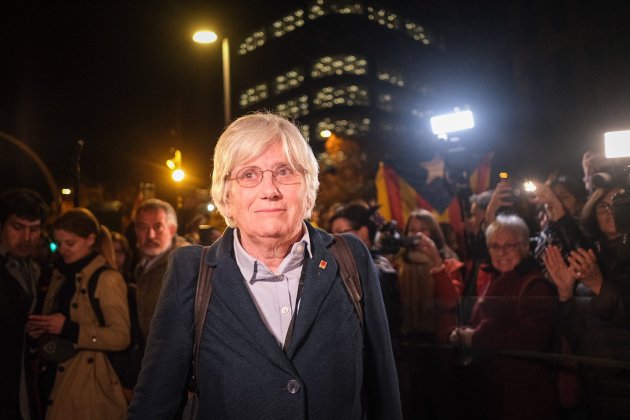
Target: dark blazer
243 372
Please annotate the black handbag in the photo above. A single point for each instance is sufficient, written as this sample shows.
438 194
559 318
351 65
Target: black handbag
53 348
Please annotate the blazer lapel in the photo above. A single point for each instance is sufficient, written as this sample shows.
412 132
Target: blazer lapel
228 286
321 274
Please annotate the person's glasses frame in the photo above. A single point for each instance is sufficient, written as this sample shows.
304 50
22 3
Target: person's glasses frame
252 176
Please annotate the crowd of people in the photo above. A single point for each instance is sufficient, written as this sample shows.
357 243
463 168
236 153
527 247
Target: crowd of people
524 316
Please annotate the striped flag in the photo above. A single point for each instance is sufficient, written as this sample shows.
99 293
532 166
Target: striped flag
480 178
409 186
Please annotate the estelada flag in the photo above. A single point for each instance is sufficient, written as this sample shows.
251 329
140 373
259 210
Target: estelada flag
480 178
402 187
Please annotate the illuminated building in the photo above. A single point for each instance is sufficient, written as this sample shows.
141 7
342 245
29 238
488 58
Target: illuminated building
355 68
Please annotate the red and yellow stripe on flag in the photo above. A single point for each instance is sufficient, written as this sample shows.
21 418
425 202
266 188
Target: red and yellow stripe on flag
397 199
480 178
394 195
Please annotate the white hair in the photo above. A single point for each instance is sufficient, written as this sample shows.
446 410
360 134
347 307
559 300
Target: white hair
248 137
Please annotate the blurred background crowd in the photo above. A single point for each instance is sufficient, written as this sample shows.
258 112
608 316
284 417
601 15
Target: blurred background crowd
523 313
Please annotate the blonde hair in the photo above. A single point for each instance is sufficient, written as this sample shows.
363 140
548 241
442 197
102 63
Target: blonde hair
248 137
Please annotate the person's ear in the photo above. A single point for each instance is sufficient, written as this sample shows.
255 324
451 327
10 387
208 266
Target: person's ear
91 239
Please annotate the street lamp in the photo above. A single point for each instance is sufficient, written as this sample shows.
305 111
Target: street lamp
325 134
208 37
175 165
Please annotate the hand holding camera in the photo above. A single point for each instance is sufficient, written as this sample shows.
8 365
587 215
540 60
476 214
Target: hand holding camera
502 197
425 244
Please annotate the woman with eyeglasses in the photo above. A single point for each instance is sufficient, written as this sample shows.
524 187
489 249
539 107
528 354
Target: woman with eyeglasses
594 306
513 315
282 337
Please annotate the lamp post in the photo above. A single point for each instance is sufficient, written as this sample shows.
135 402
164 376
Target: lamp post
208 37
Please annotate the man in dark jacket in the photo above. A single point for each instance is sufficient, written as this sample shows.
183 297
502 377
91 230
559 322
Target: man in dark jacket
156 232
22 213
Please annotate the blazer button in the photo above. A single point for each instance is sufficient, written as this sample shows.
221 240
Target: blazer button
90 360
293 386
61 368
75 305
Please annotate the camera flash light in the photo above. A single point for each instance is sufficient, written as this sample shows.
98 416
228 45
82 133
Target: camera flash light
617 144
529 186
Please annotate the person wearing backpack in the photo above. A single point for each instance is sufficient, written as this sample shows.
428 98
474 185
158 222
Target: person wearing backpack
83 383
281 336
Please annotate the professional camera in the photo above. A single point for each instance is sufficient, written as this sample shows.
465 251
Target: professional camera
390 240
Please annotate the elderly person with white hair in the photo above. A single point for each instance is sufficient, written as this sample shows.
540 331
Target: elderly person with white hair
513 316
281 338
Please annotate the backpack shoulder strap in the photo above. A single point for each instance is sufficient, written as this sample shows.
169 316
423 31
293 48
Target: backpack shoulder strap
91 290
349 273
202 299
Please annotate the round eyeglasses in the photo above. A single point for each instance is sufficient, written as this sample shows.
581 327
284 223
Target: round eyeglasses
251 176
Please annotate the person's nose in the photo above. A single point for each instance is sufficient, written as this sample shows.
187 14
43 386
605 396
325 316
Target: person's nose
151 233
269 185
27 235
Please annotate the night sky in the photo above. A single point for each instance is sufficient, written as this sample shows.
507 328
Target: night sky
125 78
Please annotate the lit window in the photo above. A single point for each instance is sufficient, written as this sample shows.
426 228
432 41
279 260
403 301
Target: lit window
350 95
257 39
305 128
344 127
289 80
390 77
253 95
316 10
294 107
385 102
338 65
347 7
416 32
287 23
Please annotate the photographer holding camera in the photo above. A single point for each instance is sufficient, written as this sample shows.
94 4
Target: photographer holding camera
362 221
430 285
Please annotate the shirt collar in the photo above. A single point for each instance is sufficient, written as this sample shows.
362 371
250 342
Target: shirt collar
254 270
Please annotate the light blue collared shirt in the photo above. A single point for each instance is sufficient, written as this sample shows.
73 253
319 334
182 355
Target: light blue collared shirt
274 293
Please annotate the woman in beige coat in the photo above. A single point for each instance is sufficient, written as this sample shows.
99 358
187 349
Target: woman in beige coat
84 386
